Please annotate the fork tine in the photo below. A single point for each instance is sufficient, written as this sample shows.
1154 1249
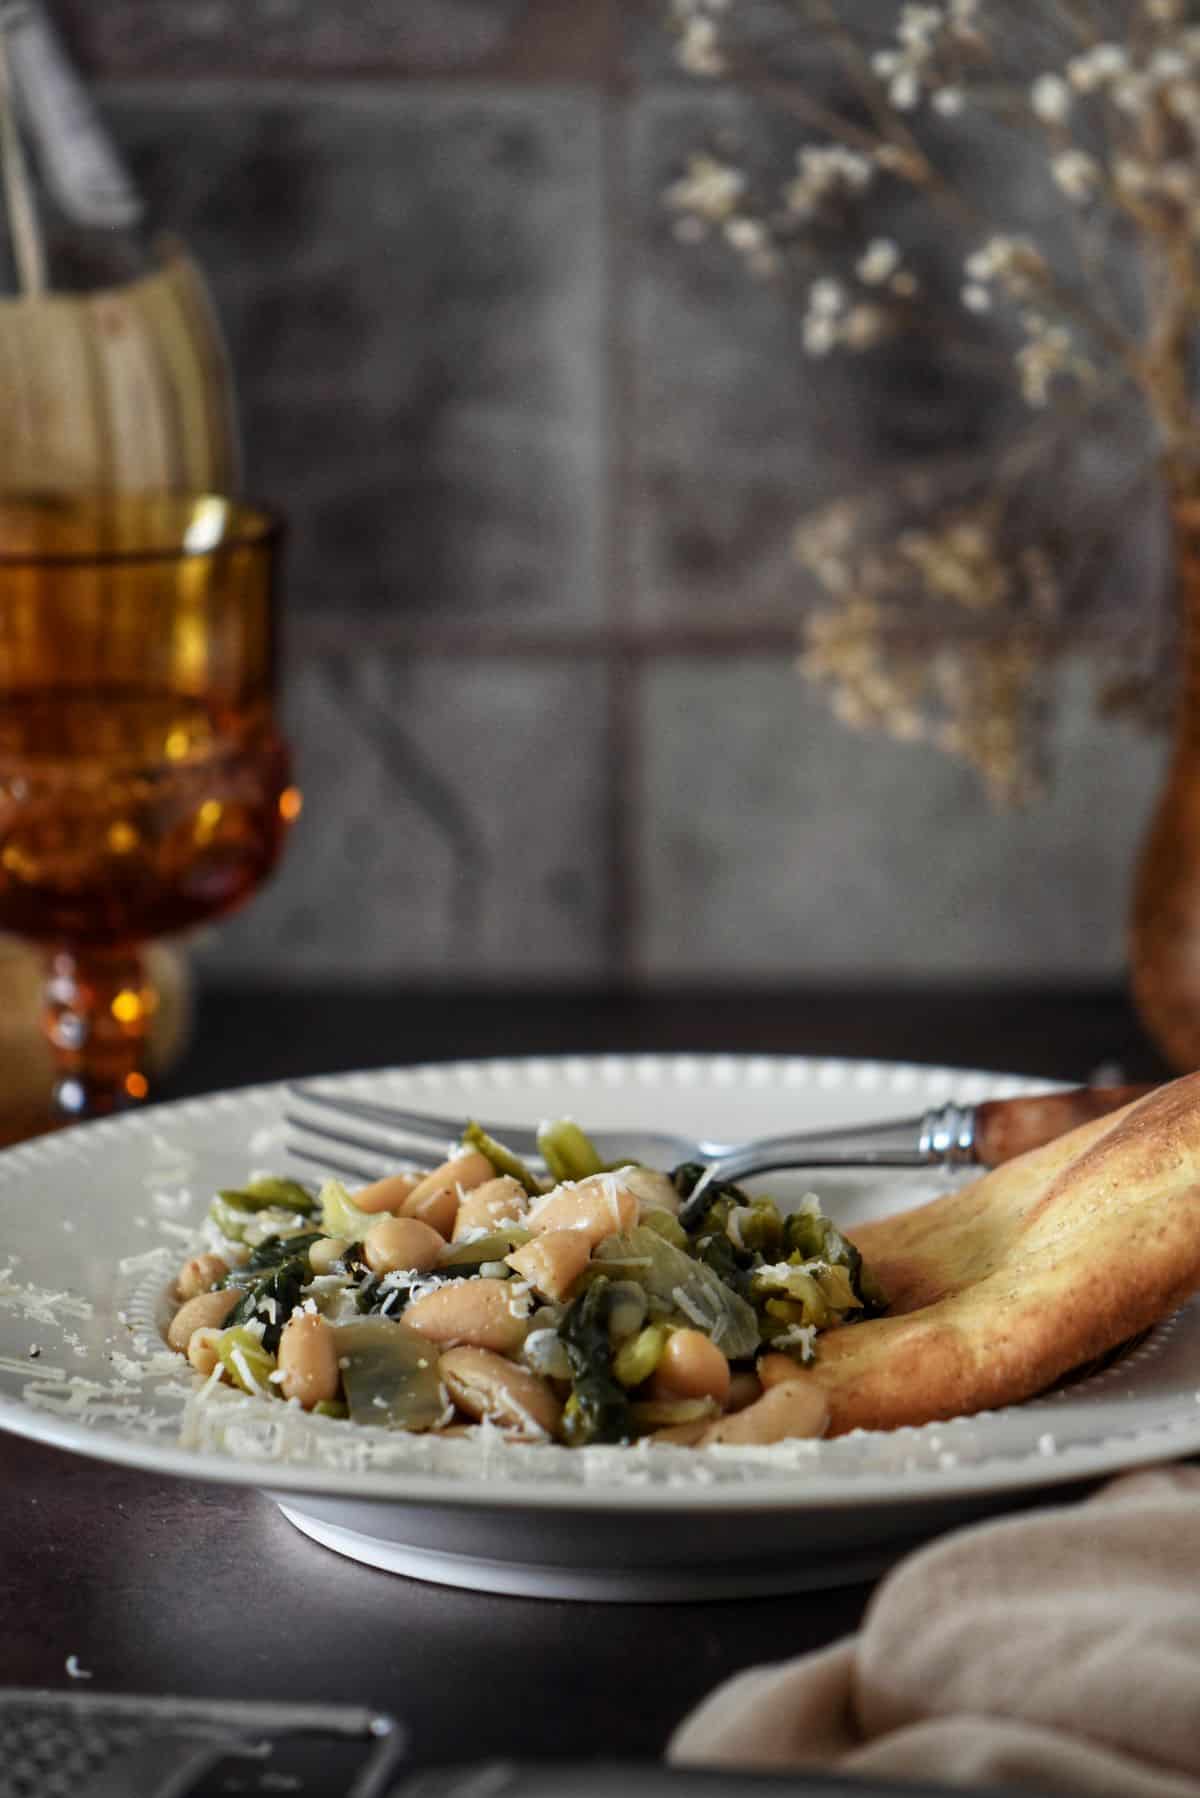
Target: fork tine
439 1129
393 1149
519 1138
333 1164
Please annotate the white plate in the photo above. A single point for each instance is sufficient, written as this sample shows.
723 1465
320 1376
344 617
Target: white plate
94 1221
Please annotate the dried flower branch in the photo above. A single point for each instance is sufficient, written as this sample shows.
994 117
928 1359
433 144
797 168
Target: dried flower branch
1106 98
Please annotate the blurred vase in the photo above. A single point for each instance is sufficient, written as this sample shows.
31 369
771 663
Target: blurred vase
1164 938
112 367
120 388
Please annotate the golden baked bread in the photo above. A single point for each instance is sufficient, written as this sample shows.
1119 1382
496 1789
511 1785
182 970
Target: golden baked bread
998 1289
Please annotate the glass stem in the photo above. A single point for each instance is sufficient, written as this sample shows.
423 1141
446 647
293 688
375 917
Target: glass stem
97 1011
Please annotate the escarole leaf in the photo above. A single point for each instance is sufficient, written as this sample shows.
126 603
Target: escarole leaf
684 1285
275 1250
270 1298
264 1208
468 1257
501 1158
597 1410
270 1192
341 1216
389 1375
567 1152
247 1361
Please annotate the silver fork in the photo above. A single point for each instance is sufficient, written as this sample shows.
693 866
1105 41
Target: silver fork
944 1136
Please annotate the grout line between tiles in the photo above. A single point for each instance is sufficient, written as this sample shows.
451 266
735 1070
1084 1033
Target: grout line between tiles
624 639
623 670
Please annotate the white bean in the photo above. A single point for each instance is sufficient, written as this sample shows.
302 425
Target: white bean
325 1252
200 1274
596 1207
308 1359
489 1204
486 1385
692 1366
205 1311
202 1350
552 1262
402 1242
388 1194
438 1209
478 1312
461 1172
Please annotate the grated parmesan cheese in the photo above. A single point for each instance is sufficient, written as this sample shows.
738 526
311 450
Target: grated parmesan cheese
690 1307
801 1336
238 1357
612 1197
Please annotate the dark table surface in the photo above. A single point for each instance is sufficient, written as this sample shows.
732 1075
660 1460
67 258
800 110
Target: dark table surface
167 1586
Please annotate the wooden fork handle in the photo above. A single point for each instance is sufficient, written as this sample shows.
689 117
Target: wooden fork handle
1005 1128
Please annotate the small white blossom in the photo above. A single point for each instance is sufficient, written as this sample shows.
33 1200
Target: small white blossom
831 322
699 48
1168 65
1013 261
826 298
907 69
918 24
879 261
752 241
1048 354
904 91
1110 61
825 170
957 561
1077 173
976 298
1050 98
745 234
1097 67
820 335
710 189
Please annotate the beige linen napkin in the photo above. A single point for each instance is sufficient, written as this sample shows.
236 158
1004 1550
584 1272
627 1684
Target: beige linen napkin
1059 1650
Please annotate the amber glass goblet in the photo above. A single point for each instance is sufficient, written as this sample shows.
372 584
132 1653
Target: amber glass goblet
143 783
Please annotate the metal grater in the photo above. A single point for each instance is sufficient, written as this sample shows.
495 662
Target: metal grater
75 1745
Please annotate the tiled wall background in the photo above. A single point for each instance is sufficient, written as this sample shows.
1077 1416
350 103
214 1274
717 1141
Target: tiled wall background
541 465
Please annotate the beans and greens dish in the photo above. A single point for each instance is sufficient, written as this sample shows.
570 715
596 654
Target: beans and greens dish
592 1306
